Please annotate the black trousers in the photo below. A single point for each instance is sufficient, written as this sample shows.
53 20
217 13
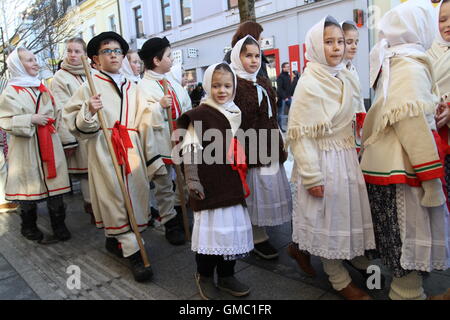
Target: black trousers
53 204
207 263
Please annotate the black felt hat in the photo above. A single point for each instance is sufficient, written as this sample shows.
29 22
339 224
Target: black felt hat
152 46
94 45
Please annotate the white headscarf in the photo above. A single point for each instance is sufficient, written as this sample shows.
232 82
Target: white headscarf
406 30
236 62
315 51
229 106
238 68
19 76
439 37
127 71
176 73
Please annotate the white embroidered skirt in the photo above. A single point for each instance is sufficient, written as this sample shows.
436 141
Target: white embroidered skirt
424 232
270 201
223 231
338 226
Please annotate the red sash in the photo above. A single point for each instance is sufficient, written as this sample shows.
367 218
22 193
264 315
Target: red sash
46 147
176 109
236 156
121 142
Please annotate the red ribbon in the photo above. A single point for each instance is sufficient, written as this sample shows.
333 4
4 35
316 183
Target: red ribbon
46 147
121 142
236 156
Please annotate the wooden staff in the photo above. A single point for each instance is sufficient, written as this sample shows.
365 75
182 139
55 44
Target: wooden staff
126 197
179 185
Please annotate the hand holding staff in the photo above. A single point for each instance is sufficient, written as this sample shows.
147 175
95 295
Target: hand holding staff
126 197
180 184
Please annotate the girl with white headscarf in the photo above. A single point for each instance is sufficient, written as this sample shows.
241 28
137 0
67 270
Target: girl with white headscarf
131 67
331 208
65 83
222 230
351 34
37 166
270 201
401 162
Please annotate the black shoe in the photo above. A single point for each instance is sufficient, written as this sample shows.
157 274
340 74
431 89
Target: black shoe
57 217
206 287
366 275
113 246
174 229
265 250
140 272
29 228
233 286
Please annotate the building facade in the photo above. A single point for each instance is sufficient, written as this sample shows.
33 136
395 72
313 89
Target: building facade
201 30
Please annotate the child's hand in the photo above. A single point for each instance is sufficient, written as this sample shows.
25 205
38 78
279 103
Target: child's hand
166 101
442 115
197 194
95 104
39 119
317 192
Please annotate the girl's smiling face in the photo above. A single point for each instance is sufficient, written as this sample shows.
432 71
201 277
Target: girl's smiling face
351 44
222 86
29 62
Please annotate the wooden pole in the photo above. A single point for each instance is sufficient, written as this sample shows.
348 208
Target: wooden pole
126 197
179 185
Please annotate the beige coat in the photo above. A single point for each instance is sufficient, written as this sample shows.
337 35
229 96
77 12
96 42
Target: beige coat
150 93
27 174
119 105
63 87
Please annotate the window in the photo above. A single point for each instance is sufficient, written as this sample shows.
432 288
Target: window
138 22
186 11
232 4
112 23
166 14
92 28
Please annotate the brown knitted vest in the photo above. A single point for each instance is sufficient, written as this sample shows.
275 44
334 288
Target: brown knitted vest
257 117
222 184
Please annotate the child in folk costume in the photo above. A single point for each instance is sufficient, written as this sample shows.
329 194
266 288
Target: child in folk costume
351 49
331 208
132 66
401 162
222 229
270 201
66 81
37 168
439 54
133 142
157 56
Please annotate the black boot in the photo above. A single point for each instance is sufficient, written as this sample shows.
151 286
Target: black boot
112 245
57 217
140 272
29 229
174 229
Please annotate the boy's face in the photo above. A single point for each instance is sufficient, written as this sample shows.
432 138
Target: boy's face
165 64
110 57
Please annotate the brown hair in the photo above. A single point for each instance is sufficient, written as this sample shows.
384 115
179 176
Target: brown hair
77 40
247 28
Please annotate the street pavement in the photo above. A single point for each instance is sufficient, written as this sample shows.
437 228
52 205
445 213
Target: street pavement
32 271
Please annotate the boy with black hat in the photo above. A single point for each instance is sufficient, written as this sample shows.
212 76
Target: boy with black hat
133 141
157 57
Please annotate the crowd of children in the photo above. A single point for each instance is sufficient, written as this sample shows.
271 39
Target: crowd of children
364 185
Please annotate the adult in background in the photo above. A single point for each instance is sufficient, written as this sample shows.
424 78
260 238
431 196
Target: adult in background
284 92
